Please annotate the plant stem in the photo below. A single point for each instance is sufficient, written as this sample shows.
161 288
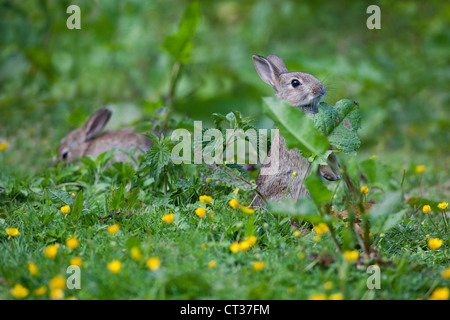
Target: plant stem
301 183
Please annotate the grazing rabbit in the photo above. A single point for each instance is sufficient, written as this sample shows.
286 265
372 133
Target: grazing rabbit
301 90
84 141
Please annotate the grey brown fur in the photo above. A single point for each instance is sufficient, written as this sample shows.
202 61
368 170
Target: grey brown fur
306 96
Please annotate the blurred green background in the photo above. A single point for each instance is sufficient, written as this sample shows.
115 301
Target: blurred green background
52 78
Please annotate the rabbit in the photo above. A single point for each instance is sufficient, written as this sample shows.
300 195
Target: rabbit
84 141
301 90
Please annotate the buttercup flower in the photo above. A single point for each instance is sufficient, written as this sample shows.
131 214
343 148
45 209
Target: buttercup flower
336 296
244 245
294 173
234 203
434 243
153 263
443 205
351 255
168 218
76 261
65 209
113 228
212 264
251 240
321 228
439 294
318 296
234 247
115 266
33 269
296 233
364 190
426 209
19 291
136 254
446 273
420 169
40 291
201 212
259 265
57 282
56 294
205 199
72 243
247 210
3 146
328 285
51 251
12 232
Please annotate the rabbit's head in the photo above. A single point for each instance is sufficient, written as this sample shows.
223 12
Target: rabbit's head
77 141
299 89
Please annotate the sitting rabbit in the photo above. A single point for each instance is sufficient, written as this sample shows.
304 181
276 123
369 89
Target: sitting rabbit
84 141
301 90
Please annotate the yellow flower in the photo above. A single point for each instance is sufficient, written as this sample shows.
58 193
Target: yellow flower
57 282
205 199
234 247
115 266
19 291
434 243
420 169
113 228
328 285
446 273
373 156
201 212
364 190
296 233
51 251
234 203
65 209
443 205
212 264
247 210
426 209
427 236
168 218
204 246
259 265
33 269
244 245
40 291
136 254
336 296
321 228
76 261
439 294
351 255
153 263
57 294
318 296
71 298
72 243
251 240
294 173
12 232
3 146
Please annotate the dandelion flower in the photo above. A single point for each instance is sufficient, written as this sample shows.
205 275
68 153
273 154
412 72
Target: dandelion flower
113 228
321 228
351 255
247 210
258 265
426 209
153 263
168 218
318 296
234 203
12 232
65 209
212 264
234 247
439 294
57 282
19 291
443 205
115 266
76 261
364 190
205 199
51 251
336 296
435 243
33 269
420 169
201 212
136 254
72 243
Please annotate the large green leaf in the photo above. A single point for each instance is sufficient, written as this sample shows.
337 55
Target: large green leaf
316 188
296 127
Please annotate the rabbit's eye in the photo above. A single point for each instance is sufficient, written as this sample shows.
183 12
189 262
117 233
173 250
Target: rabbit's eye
295 83
65 155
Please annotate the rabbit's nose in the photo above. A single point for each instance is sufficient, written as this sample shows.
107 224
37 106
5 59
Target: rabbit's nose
318 90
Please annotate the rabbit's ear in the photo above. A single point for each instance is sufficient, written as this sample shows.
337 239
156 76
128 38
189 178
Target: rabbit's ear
278 63
266 70
96 123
